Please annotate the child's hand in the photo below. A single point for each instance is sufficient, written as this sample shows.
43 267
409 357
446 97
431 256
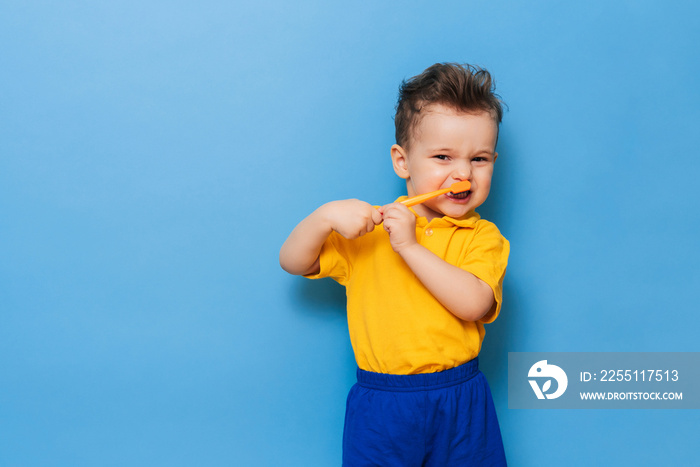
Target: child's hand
400 222
351 218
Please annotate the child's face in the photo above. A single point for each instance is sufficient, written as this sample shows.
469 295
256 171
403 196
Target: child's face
448 146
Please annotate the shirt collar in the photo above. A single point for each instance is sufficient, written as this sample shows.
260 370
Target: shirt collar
469 220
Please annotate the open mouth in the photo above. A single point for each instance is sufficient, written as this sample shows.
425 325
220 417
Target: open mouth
461 195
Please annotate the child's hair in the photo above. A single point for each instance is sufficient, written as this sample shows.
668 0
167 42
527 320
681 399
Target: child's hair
466 88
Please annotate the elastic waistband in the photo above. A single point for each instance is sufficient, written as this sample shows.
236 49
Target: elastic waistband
419 382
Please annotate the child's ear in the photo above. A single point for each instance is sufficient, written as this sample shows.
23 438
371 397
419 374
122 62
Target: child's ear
400 161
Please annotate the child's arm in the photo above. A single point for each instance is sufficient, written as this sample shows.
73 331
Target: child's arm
351 218
462 293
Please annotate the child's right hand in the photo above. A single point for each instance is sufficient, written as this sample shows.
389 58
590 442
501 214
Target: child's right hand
351 218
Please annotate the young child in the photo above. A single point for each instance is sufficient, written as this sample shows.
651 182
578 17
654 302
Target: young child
421 288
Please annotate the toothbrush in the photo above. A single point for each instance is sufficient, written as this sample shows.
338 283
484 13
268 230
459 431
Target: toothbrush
458 187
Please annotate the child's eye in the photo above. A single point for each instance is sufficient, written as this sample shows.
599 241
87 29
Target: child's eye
442 157
480 159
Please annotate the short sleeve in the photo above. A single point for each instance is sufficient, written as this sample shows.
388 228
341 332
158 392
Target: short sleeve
335 259
487 258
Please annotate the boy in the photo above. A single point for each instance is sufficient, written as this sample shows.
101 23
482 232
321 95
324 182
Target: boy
421 288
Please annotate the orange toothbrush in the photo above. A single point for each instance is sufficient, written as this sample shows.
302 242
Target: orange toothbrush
458 187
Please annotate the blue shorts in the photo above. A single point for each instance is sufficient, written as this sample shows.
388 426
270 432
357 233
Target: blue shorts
435 419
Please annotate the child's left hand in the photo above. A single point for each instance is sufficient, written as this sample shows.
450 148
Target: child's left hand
400 222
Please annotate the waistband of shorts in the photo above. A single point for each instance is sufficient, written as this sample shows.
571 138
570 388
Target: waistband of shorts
421 381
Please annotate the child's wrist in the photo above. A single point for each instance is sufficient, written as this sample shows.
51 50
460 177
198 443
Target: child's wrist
324 217
406 248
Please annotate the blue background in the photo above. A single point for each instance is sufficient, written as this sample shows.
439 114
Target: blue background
155 155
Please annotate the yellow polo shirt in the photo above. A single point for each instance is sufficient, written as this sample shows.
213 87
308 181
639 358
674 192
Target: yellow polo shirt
396 325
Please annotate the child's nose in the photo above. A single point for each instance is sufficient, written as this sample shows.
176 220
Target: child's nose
462 172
